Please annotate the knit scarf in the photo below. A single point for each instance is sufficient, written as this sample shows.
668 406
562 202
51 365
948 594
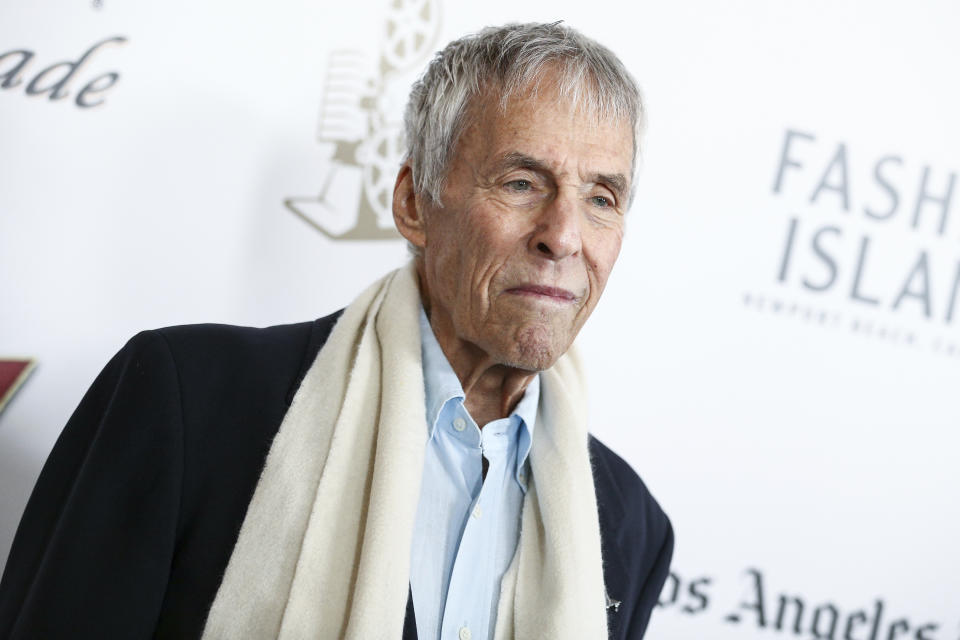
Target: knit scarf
324 549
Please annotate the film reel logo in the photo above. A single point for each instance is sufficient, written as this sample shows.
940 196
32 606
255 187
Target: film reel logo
361 116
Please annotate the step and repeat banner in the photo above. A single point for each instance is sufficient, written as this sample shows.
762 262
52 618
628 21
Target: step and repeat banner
778 350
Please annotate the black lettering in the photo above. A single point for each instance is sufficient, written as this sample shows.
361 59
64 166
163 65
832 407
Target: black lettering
842 187
105 81
883 182
859 615
896 627
757 604
919 269
797 616
924 196
878 616
921 631
785 160
673 586
58 89
818 615
699 595
11 76
855 293
825 257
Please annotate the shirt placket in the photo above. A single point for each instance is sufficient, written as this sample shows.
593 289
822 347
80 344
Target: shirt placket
471 594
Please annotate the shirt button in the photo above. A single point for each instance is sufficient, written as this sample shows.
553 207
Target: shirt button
477 512
464 633
460 424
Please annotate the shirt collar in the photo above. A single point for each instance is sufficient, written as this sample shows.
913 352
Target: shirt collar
441 385
439 381
526 410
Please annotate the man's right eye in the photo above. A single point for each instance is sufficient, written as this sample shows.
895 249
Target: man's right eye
519 185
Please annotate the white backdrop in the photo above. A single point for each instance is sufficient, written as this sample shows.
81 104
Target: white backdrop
777 352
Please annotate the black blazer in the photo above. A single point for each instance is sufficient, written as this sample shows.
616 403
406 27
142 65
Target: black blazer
135 514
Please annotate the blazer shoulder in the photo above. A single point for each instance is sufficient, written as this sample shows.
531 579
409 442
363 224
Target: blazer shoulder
220 353
200 341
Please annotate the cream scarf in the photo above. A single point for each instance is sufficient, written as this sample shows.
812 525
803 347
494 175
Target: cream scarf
324 550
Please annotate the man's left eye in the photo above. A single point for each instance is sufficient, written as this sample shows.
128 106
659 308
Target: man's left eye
519 185
601 201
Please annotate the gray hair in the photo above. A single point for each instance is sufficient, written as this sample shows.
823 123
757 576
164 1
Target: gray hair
511 59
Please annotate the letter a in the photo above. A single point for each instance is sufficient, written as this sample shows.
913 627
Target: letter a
9 77
839 162
923 271
757 604
58 89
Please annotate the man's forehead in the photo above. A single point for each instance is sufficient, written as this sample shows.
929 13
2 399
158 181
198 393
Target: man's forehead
547 117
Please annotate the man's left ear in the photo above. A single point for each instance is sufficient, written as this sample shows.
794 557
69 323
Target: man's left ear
407 209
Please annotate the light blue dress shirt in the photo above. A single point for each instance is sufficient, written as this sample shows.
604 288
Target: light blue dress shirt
467 527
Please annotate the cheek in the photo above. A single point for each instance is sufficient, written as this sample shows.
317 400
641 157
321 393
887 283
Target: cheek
459 269
602 259
484 249
441 264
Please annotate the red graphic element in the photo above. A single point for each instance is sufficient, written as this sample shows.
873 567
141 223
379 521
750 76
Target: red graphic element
12 374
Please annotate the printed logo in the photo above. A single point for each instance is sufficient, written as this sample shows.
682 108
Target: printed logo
361 115
869 244
782 612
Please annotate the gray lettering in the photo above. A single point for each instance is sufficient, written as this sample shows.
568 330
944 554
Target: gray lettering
11 77
785 160
855 293
105 81
839 165
951 305
825 257
58 89
891 191
924 196
788 250
919 269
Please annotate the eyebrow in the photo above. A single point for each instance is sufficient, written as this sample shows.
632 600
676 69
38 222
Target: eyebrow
616 182
517 160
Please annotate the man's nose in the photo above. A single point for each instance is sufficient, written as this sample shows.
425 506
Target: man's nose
557 234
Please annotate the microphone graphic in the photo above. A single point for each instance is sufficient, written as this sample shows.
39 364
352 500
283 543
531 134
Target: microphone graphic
356 187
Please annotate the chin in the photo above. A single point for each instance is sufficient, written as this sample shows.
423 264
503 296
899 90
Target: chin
536 349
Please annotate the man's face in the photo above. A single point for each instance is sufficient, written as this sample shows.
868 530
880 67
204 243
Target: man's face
533 217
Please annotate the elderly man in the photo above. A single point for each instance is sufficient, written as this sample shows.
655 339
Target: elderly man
417 465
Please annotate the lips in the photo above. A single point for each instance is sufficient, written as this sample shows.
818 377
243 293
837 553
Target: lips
540 291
